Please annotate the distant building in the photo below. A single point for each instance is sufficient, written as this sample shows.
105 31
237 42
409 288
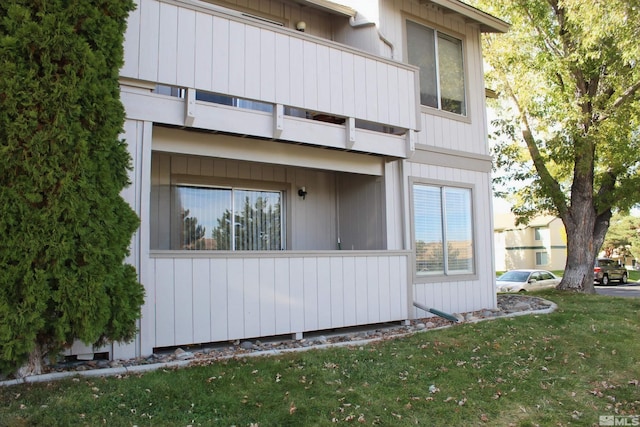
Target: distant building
540 244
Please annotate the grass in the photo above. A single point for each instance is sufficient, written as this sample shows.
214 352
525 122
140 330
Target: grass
565 368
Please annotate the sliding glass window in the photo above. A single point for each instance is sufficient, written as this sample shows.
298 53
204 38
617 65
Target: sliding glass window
440 59
443 230
228 219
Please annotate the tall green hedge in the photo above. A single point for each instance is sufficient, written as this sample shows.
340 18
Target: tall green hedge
64 228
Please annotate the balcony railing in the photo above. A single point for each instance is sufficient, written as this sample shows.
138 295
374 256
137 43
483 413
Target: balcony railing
204 297
200 50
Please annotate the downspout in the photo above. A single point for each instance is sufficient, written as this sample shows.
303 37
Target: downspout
436 312
359 20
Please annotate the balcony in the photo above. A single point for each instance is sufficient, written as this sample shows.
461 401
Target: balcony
221 72
268 294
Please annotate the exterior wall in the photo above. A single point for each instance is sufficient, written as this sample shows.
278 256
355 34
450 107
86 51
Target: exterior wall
470 293
243 58
360 183
318 23
442 130
241 296
454 150
361 211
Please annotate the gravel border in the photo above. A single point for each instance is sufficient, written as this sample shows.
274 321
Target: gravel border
392 333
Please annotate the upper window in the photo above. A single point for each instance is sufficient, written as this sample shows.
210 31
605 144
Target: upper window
443 230
227 219
537 233
440 59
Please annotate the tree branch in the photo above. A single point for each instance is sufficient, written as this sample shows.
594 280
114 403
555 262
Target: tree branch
548 181
542 34
625 97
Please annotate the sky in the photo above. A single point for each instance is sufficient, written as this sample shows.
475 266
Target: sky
500 206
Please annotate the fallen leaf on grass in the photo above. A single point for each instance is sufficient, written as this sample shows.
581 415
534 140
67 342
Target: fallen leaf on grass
292 408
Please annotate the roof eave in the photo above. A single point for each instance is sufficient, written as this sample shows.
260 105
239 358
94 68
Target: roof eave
488 23
331 7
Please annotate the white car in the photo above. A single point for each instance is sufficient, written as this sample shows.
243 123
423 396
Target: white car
526 280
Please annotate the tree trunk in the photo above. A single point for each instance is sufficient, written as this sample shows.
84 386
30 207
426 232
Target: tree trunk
33 366
585 237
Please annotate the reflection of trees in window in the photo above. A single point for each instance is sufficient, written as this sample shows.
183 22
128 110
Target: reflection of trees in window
452 74
192 233
222 233
228 219
459 256
440 59
429 257
257 227
256 224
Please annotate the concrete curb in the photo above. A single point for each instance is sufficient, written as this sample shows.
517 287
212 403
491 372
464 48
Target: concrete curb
138 369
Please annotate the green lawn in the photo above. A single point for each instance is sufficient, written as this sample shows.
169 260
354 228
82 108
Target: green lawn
560 369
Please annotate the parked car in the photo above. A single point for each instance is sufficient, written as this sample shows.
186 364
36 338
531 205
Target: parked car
606 270
526 280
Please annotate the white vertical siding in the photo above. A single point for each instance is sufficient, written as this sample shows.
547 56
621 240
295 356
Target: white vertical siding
208 50
395 202
217 298
464 295
444 130
195 298
164 305
204 44
219 302
201 276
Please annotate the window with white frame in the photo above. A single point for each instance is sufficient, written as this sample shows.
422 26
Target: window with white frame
440 59
443 230
230 219
542 258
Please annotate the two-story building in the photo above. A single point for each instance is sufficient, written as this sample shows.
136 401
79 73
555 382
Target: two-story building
542 243
304 165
